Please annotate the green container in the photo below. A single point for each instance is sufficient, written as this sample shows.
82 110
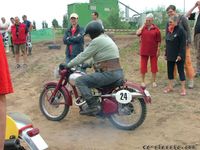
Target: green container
84 10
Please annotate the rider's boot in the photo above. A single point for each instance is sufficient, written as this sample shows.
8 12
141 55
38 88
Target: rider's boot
93 107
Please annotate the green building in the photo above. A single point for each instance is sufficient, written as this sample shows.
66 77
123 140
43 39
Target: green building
84 10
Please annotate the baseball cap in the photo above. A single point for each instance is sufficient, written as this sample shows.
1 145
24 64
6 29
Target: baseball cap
149 15
73 15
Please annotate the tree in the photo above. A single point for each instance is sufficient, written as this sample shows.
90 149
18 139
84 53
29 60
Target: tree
114 21
44 24
65 21
55 23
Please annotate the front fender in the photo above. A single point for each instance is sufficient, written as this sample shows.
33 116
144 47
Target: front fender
64 89
139 88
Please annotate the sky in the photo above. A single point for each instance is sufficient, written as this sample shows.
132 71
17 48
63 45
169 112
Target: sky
40 10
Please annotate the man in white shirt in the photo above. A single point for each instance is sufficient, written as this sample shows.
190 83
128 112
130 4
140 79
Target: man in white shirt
4 31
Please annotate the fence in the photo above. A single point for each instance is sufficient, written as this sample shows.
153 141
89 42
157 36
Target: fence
50 34
43 35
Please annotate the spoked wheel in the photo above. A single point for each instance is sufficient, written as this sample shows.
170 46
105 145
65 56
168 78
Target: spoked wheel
129 116
58 109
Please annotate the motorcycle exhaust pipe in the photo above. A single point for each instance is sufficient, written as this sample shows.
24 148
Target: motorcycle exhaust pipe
12 144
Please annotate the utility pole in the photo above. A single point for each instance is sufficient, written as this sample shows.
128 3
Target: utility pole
184 6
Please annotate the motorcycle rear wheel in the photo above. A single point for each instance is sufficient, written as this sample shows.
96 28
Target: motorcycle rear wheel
127 119
55 111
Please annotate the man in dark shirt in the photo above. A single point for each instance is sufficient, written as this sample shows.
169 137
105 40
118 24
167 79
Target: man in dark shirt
195 16
73 38
29 27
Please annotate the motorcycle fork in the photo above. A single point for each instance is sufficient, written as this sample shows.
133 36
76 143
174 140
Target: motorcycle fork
58 86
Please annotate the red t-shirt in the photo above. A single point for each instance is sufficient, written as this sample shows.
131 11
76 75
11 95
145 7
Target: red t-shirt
73 30
5 81
149 40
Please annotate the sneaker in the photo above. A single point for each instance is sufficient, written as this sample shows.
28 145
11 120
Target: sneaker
143 84
25 65
154 84
17 66
191 84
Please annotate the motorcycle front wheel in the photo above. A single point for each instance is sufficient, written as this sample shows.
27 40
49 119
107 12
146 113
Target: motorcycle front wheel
129 116
57 110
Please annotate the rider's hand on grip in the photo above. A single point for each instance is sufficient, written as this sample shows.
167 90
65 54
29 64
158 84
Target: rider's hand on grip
63 66
85 66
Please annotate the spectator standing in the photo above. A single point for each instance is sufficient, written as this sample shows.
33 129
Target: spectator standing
182 21
95 17
73 38
19 34
5 88
175 53
150 39
4 31
12 20
28 40
195 16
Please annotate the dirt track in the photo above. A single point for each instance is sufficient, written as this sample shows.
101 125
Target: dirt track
171 119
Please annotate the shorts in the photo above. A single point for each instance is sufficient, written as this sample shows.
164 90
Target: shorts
19 47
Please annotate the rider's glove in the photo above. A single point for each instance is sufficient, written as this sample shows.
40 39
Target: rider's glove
63 66
85 66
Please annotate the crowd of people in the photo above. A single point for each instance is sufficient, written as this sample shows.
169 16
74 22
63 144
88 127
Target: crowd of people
105 54
19 34
178 40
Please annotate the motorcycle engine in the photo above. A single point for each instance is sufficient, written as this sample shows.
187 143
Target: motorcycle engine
74 76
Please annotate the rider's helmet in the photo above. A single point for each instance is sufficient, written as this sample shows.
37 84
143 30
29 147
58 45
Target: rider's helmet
94 29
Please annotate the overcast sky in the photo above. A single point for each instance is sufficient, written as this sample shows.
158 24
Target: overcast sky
40 10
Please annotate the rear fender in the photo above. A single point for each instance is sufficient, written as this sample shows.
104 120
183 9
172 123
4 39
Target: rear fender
139 88
35 142
65 90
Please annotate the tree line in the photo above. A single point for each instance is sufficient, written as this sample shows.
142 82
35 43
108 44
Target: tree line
116 20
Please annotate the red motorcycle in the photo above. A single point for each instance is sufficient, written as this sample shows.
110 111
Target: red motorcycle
123 102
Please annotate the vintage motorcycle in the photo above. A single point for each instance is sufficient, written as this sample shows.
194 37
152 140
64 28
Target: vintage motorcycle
21 135
122 102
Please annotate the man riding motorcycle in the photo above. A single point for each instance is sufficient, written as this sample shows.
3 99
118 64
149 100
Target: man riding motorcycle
105 55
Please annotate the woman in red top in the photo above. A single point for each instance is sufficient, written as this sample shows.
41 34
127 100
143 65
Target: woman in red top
5 88
149 47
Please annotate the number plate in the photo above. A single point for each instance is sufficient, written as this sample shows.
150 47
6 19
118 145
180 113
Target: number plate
147 93
123 96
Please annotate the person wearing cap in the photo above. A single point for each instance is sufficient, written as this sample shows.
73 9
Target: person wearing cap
29 27
150 39
183 22
73 38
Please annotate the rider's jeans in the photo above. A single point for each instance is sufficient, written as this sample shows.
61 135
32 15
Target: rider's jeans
96 80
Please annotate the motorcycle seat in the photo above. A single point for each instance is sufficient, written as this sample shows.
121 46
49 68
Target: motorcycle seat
114 84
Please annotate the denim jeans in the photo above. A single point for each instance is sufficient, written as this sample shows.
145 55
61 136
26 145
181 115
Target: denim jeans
96 80
67 59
